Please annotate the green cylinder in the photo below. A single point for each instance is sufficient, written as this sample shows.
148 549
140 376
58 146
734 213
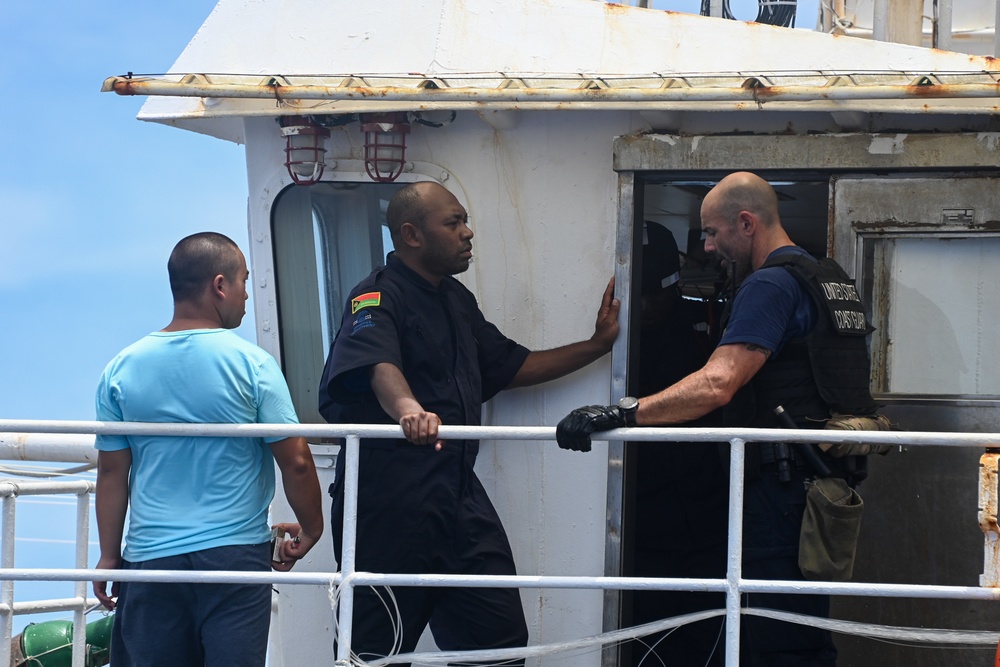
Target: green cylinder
99 641
50 644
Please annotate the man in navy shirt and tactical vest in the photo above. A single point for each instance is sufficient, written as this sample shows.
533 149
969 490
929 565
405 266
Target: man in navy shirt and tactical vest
794 338
415 350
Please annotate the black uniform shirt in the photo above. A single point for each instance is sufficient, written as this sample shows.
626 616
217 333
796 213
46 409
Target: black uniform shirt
452 358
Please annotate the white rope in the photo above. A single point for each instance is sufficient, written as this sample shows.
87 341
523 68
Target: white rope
500 656
928 636
886 632
389 604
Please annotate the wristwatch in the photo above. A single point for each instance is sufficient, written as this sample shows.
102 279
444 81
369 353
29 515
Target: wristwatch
628 405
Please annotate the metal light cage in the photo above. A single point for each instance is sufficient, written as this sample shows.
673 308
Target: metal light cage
385 145
304 148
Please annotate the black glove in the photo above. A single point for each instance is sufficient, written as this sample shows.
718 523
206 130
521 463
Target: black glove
573 432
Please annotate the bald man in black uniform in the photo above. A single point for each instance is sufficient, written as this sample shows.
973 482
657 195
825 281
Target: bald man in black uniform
415 350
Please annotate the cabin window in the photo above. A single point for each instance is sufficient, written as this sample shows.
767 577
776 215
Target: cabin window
327 237
925 248
934 306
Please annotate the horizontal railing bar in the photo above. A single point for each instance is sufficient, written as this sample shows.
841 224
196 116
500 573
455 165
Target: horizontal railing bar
32 488
901 438
16 445
505 581
44 606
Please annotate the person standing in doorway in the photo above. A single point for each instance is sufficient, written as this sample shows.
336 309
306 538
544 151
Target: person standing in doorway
787 342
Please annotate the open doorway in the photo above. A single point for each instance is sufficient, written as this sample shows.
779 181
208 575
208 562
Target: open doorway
675 496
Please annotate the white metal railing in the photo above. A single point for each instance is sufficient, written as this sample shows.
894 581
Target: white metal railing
9 492
17 443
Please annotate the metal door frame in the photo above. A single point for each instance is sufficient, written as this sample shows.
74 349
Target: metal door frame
712 156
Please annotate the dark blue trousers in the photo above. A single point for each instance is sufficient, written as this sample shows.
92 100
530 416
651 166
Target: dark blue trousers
190 624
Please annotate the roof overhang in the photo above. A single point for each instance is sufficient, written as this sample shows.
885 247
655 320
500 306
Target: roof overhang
410 55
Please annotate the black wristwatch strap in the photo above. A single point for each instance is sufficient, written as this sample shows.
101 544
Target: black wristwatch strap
628 405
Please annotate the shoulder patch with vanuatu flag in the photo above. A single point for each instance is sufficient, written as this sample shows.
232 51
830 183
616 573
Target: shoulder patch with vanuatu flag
366 300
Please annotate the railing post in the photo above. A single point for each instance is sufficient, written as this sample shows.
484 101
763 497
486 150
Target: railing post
7 561
996 33
734 571
880 21
988 465
943 25
345 611
79 615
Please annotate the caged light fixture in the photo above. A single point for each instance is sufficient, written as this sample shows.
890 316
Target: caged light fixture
304 148
385 144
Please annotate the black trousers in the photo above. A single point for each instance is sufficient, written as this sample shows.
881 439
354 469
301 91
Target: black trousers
771 523
421 511
700 644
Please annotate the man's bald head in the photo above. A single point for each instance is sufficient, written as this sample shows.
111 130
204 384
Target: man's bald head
740 222
743 191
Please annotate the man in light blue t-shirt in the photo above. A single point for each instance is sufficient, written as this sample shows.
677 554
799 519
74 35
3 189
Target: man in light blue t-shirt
197 503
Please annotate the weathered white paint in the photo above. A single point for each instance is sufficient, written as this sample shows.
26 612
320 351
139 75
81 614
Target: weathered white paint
937 243
887 145
990 139
519 37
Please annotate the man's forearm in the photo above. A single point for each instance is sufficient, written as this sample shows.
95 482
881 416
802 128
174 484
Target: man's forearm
396 398
300 483
393 391
713 386
111 501
689 399
110 508
544 365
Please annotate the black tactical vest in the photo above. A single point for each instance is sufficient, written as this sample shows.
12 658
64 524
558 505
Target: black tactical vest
826 371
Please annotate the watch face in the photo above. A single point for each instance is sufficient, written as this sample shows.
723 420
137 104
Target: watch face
628 403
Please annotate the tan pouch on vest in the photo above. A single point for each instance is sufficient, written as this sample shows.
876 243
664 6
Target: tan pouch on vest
851 423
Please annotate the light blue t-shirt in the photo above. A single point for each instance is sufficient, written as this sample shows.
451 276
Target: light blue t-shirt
192 493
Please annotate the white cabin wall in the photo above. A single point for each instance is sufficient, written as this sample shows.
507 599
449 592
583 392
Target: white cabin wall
545 238
544 246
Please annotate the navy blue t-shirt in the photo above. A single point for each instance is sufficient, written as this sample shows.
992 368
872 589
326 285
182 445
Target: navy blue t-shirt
771 308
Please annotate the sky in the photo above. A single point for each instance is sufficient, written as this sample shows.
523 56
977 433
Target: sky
91 202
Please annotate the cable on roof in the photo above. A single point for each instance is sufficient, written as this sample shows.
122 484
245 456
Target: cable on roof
770 12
